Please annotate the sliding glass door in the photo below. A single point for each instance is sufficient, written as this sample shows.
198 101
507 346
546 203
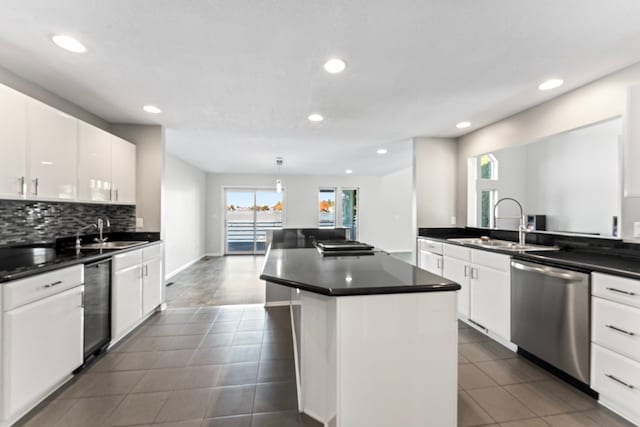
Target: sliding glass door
349 204
249 214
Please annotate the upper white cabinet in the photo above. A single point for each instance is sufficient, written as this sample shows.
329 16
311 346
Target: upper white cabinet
49 155
123 170
52 139
94 164
13 143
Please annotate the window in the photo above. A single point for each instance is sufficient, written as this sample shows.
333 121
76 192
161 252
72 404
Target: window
327 208
349 211
488 167
488 199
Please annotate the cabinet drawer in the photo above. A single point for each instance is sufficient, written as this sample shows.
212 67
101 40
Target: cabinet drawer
617 379
23 291
152 252
616 288
457 252
491 260
431 246
127 260
616 327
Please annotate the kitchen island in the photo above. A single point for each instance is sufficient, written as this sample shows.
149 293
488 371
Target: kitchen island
375 338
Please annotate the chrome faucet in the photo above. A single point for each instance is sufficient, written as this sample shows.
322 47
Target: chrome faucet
80 230
522 229
100 226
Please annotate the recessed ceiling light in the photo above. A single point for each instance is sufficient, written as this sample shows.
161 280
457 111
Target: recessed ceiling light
69 43
551 84
348 171
381 151
152 109
315 117
335 66
463 125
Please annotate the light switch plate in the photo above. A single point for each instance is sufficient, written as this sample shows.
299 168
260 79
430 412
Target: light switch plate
139 222
636 229
453 220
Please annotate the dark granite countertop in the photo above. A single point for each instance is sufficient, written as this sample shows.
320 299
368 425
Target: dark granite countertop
610 256
18 262
379 273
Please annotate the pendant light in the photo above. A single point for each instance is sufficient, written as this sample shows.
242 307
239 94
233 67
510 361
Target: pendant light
279 161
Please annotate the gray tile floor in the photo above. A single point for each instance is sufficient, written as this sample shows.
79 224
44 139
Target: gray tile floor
218 281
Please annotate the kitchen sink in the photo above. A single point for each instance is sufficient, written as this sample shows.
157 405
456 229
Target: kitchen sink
504 245
113 245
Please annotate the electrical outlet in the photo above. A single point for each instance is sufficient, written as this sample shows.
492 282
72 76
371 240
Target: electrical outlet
636 229
139 222
453 220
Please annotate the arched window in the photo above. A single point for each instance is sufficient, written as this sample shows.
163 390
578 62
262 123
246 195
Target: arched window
488 167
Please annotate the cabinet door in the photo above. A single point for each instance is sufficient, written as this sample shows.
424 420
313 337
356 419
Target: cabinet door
13 142
94 164
127 300
431 262
151 285
123 170
52 152
43 345
490 300
458 271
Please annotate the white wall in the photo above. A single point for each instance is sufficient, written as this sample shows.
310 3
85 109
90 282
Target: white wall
384 216
150 153
597 101
435 181
184 214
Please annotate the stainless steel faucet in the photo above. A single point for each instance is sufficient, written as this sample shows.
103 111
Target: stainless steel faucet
522 229
101 224
80 230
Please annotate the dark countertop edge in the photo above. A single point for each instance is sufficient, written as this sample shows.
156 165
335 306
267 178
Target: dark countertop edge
392 289
86 260
538 256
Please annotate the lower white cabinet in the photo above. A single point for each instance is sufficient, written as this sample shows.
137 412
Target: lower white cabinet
457 270
42 345
136 288
430 256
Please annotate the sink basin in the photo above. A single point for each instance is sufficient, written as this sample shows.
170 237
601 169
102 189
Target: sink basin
504 245
112 245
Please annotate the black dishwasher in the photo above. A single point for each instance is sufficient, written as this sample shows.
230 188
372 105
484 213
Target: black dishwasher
97 307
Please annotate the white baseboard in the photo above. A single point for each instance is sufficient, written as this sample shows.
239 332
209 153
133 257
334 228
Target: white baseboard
214 254
276 303
184 267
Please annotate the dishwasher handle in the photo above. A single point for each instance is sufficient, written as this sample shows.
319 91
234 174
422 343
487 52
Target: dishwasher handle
556 273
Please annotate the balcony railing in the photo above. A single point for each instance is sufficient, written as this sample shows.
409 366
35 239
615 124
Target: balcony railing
241 235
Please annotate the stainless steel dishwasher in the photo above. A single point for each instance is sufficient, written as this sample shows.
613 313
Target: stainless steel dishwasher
550 316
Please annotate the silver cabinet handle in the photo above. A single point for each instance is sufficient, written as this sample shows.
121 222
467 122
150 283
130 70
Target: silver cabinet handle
111 194
620 291
474 270
23 188
51 285
116 194
466 271
36 184
547 271
82 299
619 381
620 330
146 270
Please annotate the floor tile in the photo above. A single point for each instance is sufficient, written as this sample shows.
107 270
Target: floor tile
500 405
226 401
276 370
533 422
470 413
251 325
188 423
135 409
605 417
470 377
276 351
272 397
238 374
512 371
184 405
234 421
574 398
160 380
137 361
276 419
89 412
538 400
217 340
224 327
251 337
199 377
49 414
211 356
244 353
110 383
173 359
576 419
483 351
469 335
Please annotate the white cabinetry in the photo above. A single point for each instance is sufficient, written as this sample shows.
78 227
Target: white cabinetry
52 139
42 337
485 280
123 170
94 164
13 143
615 348
430 256
136 288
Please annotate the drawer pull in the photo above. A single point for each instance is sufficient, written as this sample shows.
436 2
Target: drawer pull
620 330
630 386
620 291
51 285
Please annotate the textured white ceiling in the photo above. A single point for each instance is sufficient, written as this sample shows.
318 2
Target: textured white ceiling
236 79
